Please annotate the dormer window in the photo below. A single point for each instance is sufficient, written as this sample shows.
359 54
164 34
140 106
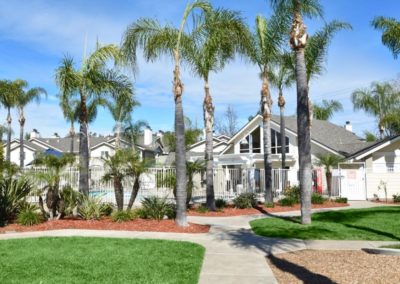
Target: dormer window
252 143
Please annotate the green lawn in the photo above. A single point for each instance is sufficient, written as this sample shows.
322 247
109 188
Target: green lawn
379 223
99 260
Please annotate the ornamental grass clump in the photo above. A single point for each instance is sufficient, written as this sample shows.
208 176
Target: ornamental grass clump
122 216
317 198
157 208
90 208
29 215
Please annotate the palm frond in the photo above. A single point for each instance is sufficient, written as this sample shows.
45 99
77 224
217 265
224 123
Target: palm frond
390 28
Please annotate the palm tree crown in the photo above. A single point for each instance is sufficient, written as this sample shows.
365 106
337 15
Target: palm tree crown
326 109
391 33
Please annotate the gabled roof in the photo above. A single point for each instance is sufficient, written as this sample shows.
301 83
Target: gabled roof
29 145
324 133
372 147
215 139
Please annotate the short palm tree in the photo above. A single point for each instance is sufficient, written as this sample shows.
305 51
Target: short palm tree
135 168
23 99
157 40
379 100
93 82
328 161
326 109
391 33
224 35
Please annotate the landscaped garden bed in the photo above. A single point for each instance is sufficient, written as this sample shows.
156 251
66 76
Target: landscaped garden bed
99 260
378 224
108 224
315 266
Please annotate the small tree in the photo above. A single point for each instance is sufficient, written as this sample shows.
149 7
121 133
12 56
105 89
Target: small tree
328 161
135 168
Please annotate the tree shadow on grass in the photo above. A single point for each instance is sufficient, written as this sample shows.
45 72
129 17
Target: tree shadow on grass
371 230
299 272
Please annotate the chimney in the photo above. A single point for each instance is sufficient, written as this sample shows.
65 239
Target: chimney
147 137
35 134
348 126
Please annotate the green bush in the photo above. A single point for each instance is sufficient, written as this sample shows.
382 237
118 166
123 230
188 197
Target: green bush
138 213
202 209
293 193
156 208
71 199
12 193
107 209
90 208
269 204
28 215
245 200
341 200
220 203
122 216
396 198
286 202
317 198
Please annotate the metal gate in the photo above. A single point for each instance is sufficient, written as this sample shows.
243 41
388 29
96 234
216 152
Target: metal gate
352 181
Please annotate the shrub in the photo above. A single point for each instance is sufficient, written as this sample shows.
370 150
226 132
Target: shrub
220 203
90 208
396 198
156 208
122 216
28 216
245 200
341 200
107 209
202 209
293 193
317 198
269 204
71 199
12 193
138 213
286 202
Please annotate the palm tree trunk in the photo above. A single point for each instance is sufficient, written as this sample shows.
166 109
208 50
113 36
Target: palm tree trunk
119 193
180 152
281 103
21 121
135 190
118 137
72 134
329 182
83 149
9 120
208 111
266 107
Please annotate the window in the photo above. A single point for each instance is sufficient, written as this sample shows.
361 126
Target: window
104 154
276 145
252 142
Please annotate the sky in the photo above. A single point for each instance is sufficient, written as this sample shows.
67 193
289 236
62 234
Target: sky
35 35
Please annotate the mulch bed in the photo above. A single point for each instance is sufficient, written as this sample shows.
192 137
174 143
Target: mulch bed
384 202
231 211
107 224
334 266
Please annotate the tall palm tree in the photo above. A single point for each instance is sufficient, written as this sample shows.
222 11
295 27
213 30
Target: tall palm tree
296 9
224 34
282 76
156 40
94 81
132 130
8 98
328 161
326 109
379 100
23 99
265 49
70 109
391 33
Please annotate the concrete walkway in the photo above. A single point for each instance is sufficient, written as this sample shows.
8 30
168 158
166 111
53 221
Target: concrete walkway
233 253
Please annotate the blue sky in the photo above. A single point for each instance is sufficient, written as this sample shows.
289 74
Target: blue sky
35 35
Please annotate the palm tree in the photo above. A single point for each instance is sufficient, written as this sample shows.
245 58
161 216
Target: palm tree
328 161
155 41
379 100
296 9
370 137
264 51
326 109
135 168
132 130
8 98
23 99
391 33
70 109
224 34
94 82
282 76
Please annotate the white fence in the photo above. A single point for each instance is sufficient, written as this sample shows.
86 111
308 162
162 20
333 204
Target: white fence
228 183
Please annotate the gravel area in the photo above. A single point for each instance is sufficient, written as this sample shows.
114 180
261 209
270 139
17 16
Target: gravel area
328 266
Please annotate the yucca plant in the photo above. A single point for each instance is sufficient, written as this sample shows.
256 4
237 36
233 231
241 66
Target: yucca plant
90 208
156 208
29 215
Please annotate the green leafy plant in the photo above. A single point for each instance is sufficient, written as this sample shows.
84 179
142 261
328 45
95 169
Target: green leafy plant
29 215
157 208
269 204
71 200
396 198
139 213
107 209
286 201
317 198
293 193
220 203
202 209
90 208
12 193
122 216
341 200
245 200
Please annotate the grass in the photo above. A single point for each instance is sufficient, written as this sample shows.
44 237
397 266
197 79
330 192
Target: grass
392 246
378 224
99 260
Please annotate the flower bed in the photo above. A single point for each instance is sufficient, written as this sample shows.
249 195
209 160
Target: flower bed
231 211
107 224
